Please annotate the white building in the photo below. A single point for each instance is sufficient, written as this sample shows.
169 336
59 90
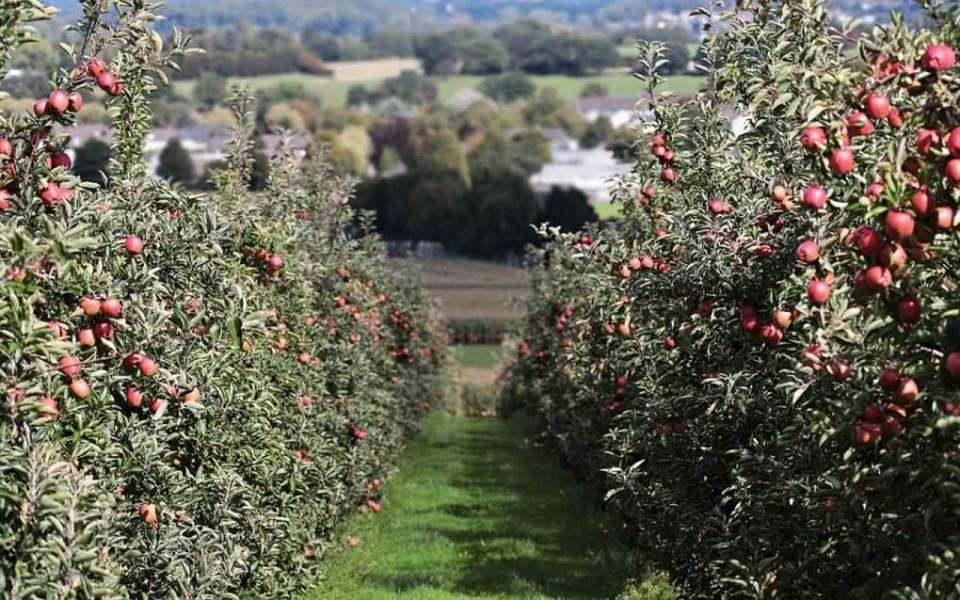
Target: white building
622 112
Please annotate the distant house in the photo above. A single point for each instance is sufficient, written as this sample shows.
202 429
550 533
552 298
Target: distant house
590 171
467 98
560 141
622 112
204 145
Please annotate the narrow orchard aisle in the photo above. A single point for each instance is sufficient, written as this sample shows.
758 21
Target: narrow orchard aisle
477 512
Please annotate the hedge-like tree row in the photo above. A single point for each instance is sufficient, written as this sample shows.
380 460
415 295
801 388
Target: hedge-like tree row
763 361
196 389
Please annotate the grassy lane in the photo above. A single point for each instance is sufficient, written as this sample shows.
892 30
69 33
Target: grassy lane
333 90
478 512
478 356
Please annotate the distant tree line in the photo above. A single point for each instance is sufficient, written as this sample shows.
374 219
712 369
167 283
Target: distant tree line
248 52
465 183
522 46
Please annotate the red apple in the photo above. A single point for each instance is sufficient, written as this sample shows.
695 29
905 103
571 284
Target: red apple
943 217
953 141
148 367
51 194
818 291
873 413
893 256
274 263
103 330
719 207
922 203
112 308
939 57
40 108
907 391
808 252
134 397
842 160
908 310
60 160
96 66
49 408
890 379
815 197
839 369
813 138
869 241
952 170
90 306
779 194
132 361
878 278
926 140
58 329
875 190
783 318
107 81
58 102
911 165
80 389
895 119
877 106
858 124
748 318
771 334
899 225
86 338
76 102
952 365
70 366
133 244
892 426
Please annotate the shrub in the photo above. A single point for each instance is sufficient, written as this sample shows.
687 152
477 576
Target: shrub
197 389
773 425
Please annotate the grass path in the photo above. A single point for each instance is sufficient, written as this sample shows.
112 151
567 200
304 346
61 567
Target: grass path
477 511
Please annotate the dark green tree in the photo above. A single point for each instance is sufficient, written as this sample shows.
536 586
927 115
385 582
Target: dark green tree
175 163
358 95
594 90
322 44
438 54
500 214
599 132
508 87
92 161
210 89
483 56
410 87
568 208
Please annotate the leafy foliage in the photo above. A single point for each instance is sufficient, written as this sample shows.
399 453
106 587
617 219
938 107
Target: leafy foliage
766 375
197 389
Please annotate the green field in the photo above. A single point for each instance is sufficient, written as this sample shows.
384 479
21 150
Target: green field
478 510
478 357
333 92
608 211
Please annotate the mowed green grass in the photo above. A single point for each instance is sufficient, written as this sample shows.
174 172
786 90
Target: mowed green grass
333 92
478 356
608 211
479 511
